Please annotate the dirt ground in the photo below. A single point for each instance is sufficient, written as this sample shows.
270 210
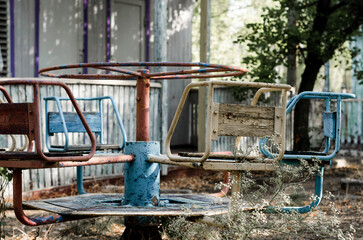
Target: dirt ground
348 199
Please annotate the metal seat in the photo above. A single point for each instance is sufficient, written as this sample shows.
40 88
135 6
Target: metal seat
69 122
331 128
232 120
24 119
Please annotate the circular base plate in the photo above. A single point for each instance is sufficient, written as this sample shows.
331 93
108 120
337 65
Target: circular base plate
112 205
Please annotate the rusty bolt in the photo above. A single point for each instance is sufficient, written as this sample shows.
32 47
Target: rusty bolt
155 201
147 84
138 99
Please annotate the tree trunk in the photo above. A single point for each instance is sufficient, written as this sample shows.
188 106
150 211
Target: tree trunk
291 55
313 63
301 115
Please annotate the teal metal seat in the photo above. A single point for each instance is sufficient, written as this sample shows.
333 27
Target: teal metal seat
331 130
69 122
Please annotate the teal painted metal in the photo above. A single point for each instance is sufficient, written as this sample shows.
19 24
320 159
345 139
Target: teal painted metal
315 202
80 186
142 178
331 131
73 123
329 119
142 181
66 122
327 96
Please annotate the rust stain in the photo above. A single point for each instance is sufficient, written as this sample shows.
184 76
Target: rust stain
155 201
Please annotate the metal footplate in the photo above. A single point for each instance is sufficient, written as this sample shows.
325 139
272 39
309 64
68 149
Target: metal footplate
170 205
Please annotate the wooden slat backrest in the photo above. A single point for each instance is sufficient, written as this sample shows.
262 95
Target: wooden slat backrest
243 120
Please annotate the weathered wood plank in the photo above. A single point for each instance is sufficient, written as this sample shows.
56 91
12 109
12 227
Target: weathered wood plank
240 120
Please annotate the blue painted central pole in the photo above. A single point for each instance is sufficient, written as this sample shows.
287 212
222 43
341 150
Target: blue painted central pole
142 178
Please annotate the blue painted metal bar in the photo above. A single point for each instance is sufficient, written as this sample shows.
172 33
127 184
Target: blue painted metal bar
63 122
315 202
314 95
80 187
100 107
327 140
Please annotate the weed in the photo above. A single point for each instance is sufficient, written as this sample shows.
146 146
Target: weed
247 218
5 177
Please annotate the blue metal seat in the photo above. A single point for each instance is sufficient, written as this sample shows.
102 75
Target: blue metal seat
331 129
69 122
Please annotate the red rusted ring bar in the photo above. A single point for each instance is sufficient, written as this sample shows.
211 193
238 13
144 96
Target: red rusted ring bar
18 206
225 188
36 136
205 68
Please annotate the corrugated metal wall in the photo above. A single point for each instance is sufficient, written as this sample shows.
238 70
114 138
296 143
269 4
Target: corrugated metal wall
124 94
352 124
353 109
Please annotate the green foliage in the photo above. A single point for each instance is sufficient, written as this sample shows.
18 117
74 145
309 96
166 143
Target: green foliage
357 63
6 174
314 29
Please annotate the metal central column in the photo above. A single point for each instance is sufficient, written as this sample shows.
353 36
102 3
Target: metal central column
143 106
142 178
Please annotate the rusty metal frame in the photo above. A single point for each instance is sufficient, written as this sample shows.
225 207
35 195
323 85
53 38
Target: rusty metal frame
18 206
209 133
128 74
142 106
97 159
6 94
35 131
143 78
